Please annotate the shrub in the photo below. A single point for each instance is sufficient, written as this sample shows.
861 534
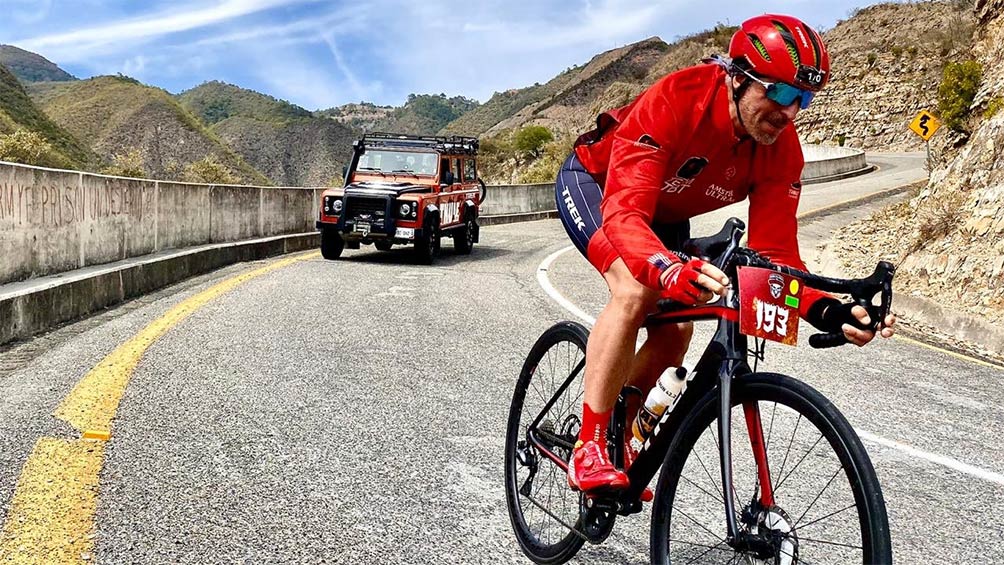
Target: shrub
872 57
210 171
956 92
912 51
531 139
897 51
938 216
993 106
28 148
129 164
840 139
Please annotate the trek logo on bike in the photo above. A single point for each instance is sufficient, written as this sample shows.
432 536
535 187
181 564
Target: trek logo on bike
768 304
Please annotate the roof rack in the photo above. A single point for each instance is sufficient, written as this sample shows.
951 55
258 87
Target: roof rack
447 144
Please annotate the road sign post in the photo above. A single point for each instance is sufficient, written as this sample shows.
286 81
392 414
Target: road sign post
924 125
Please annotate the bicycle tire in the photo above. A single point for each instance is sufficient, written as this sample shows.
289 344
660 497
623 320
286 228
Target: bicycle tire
847 451
567 341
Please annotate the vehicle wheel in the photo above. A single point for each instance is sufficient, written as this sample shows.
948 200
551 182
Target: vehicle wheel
383 245
427 246
463 238
483 190
551 369
332 244
828 505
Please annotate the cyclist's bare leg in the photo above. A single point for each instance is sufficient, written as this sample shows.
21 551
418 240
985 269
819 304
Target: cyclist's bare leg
611 346
665 347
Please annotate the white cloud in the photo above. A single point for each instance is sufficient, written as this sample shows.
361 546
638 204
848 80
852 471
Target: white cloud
134 66
83 43
28 11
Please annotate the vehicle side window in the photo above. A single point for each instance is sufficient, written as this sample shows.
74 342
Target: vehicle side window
457 172
444 166
470 174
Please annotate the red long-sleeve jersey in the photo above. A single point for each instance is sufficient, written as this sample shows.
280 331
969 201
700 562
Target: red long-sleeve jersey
675 154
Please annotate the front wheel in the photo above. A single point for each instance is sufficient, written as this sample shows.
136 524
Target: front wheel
332 244
463 238
827 502
541 505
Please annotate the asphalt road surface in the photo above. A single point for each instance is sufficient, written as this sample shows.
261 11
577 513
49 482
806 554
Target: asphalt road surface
354 411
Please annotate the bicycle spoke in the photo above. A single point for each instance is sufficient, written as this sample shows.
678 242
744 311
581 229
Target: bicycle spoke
801 539
818 496
714 484
703 527
707 551
791 441
802 527
781 482
716 498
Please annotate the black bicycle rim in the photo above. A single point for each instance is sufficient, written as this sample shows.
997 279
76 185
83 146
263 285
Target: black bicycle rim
828 503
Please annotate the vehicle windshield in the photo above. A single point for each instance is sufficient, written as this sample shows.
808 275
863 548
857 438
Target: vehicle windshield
398 162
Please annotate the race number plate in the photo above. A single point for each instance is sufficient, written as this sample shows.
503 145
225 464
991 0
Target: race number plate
768 304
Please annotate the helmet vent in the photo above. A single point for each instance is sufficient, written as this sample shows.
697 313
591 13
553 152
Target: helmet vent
759 46
789 42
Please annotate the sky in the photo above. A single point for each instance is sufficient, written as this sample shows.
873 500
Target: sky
323 53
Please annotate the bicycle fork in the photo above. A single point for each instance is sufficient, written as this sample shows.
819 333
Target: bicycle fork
751 411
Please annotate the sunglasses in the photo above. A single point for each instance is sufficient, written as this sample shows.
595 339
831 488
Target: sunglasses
783 93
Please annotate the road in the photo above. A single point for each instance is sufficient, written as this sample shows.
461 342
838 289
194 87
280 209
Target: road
354 412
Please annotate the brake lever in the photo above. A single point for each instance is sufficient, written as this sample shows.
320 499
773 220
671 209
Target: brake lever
863 293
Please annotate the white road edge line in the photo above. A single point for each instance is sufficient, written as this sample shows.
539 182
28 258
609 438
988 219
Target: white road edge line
545 283
953 464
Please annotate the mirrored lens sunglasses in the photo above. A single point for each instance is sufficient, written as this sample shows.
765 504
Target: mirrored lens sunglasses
784 93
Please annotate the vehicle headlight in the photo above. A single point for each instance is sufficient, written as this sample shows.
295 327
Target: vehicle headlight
337 206
405 210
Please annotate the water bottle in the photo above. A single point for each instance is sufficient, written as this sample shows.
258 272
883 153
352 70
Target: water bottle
664 394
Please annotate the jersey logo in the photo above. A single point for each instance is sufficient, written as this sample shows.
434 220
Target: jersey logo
730 173
795 190
692 168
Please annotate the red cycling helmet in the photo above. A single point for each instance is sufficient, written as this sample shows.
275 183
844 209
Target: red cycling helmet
782 48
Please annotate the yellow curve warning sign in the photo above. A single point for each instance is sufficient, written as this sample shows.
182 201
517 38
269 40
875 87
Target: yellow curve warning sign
925 124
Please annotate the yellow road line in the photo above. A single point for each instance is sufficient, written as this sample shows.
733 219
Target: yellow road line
51 519
955 354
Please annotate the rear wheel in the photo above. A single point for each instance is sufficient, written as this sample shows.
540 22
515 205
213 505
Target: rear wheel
541 505
332 244
463 238
827 502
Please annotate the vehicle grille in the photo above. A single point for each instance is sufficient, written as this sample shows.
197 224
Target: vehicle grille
361 207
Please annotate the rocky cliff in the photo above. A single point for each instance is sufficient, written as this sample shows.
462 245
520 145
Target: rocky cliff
949 239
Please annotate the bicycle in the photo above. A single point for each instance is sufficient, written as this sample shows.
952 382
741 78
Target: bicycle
784 509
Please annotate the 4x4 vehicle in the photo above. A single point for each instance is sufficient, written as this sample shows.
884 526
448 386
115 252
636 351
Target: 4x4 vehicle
405 189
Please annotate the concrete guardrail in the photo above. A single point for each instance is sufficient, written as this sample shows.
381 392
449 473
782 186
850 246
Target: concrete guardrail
72 243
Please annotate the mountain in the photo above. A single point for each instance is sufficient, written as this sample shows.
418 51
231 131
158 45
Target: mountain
115 115
290 145
887 62
18 111
31 67
568 103
362 116
422 114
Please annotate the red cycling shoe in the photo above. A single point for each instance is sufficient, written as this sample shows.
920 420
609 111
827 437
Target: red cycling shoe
590 469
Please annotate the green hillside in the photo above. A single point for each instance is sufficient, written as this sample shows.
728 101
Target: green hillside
216 101
425 114
117 115
18 111
288 144
31 67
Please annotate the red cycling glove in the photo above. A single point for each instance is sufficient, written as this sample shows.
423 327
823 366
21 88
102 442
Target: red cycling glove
681 282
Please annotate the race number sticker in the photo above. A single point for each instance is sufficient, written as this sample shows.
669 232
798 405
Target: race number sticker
768 304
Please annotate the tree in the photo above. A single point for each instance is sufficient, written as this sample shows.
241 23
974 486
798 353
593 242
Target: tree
210 171
129 164
956 93
28 148
531 139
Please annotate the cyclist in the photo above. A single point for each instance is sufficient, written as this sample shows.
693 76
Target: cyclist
697 140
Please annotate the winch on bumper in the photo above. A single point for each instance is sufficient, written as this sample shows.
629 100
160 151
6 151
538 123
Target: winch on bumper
372 218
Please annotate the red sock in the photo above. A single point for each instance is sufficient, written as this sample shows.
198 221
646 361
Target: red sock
594 425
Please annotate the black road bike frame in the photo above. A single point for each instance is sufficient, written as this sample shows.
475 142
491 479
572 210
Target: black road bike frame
724 359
